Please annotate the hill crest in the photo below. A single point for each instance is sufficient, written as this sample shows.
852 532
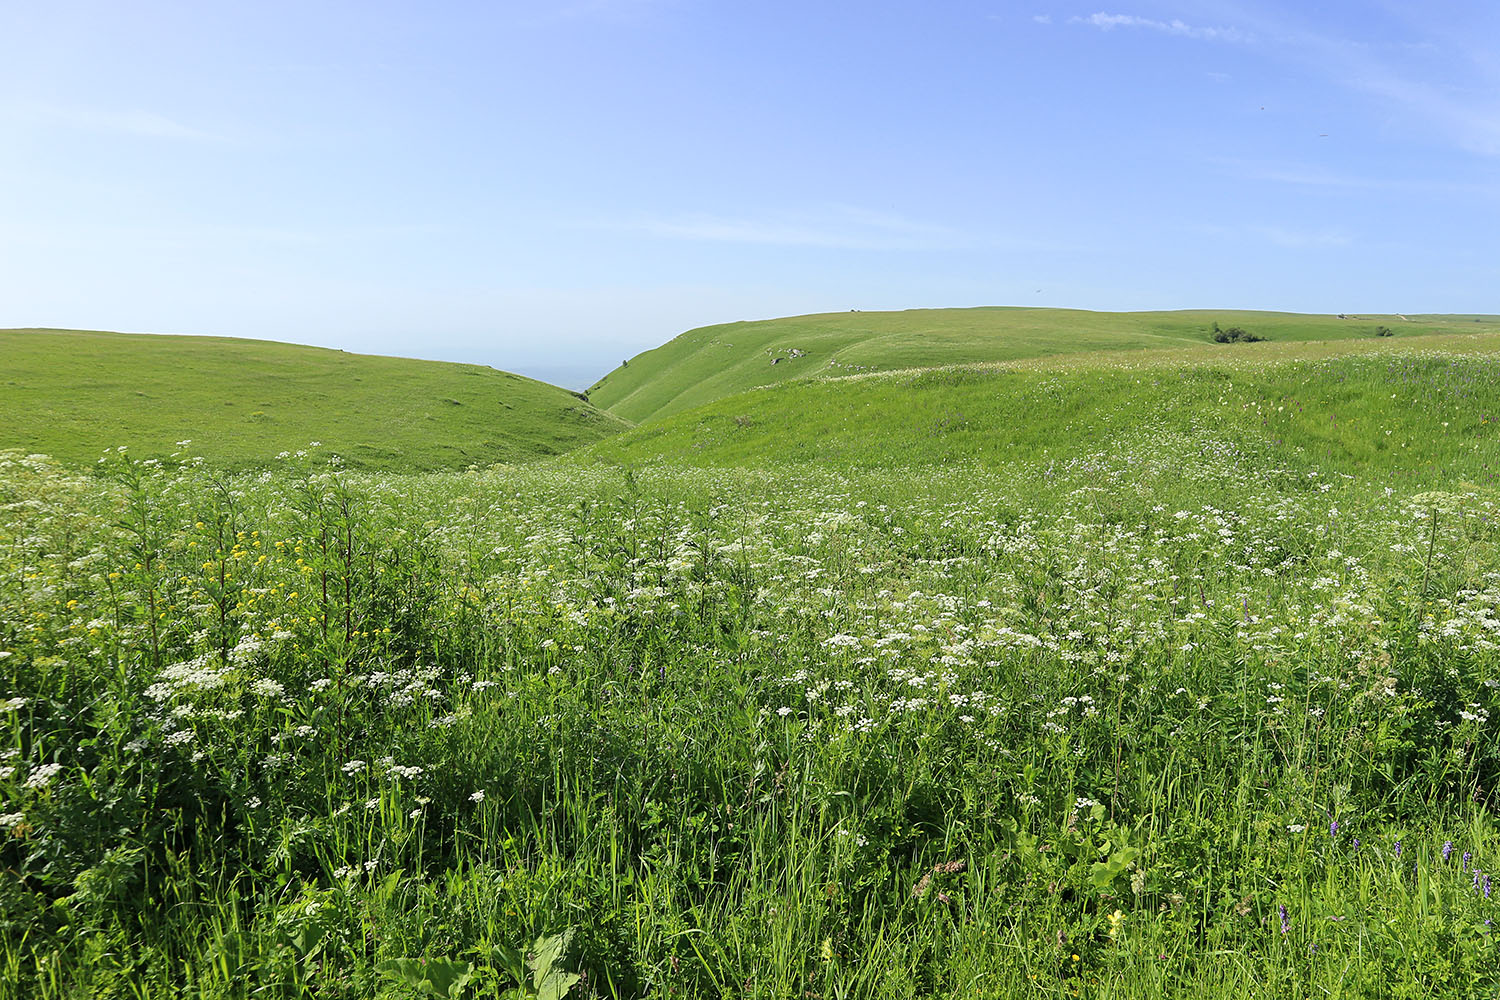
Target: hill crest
74 393
710 363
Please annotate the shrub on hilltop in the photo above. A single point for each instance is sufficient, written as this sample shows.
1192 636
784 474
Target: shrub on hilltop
1234 335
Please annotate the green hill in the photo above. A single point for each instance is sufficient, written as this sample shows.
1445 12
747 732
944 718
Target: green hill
1076 675
72 394
716 361
1399 406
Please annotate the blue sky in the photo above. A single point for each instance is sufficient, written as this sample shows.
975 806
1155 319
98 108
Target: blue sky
550 187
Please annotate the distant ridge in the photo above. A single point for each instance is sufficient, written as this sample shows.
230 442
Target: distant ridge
73 393
713 362
1410 408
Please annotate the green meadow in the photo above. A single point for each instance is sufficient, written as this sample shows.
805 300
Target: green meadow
72 394
1385 408
716 361
1071 656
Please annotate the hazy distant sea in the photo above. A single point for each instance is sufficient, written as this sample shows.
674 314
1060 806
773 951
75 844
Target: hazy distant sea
575 377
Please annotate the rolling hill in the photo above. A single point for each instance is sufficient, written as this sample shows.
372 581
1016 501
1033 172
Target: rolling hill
944 662
712 362
73 393
923 386
1398 406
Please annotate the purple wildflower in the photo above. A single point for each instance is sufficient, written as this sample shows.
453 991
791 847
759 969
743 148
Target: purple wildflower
1477 873
1447 849
1333 828
1286 923
1398 848
1468 856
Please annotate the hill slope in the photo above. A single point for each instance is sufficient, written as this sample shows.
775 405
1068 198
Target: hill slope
72 393
1394 407
717 361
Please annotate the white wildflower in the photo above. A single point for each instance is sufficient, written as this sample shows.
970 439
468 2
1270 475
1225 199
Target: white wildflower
267 688
41 776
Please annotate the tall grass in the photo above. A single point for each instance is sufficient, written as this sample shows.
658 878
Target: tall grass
1159 718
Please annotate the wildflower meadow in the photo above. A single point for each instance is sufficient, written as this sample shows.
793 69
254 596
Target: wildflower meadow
1181 715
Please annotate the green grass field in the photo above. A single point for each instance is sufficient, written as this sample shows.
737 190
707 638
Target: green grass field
1125 673
703 365
72 394
1347 406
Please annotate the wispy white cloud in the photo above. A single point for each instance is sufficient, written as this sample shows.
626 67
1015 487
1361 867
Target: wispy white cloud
1302 175
1301 239
839 227
94 235
130 121
1471 120
1042 18
1461 106
1109 22
1291 237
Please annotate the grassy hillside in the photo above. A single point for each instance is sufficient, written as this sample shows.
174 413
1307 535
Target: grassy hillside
716 361
1429 403
1169 719
72 394
1121 675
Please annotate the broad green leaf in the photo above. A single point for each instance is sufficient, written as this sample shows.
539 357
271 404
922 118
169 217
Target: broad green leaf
555 985
546 952
1102 873
511 960
405 970
448 978
551 983
434 977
